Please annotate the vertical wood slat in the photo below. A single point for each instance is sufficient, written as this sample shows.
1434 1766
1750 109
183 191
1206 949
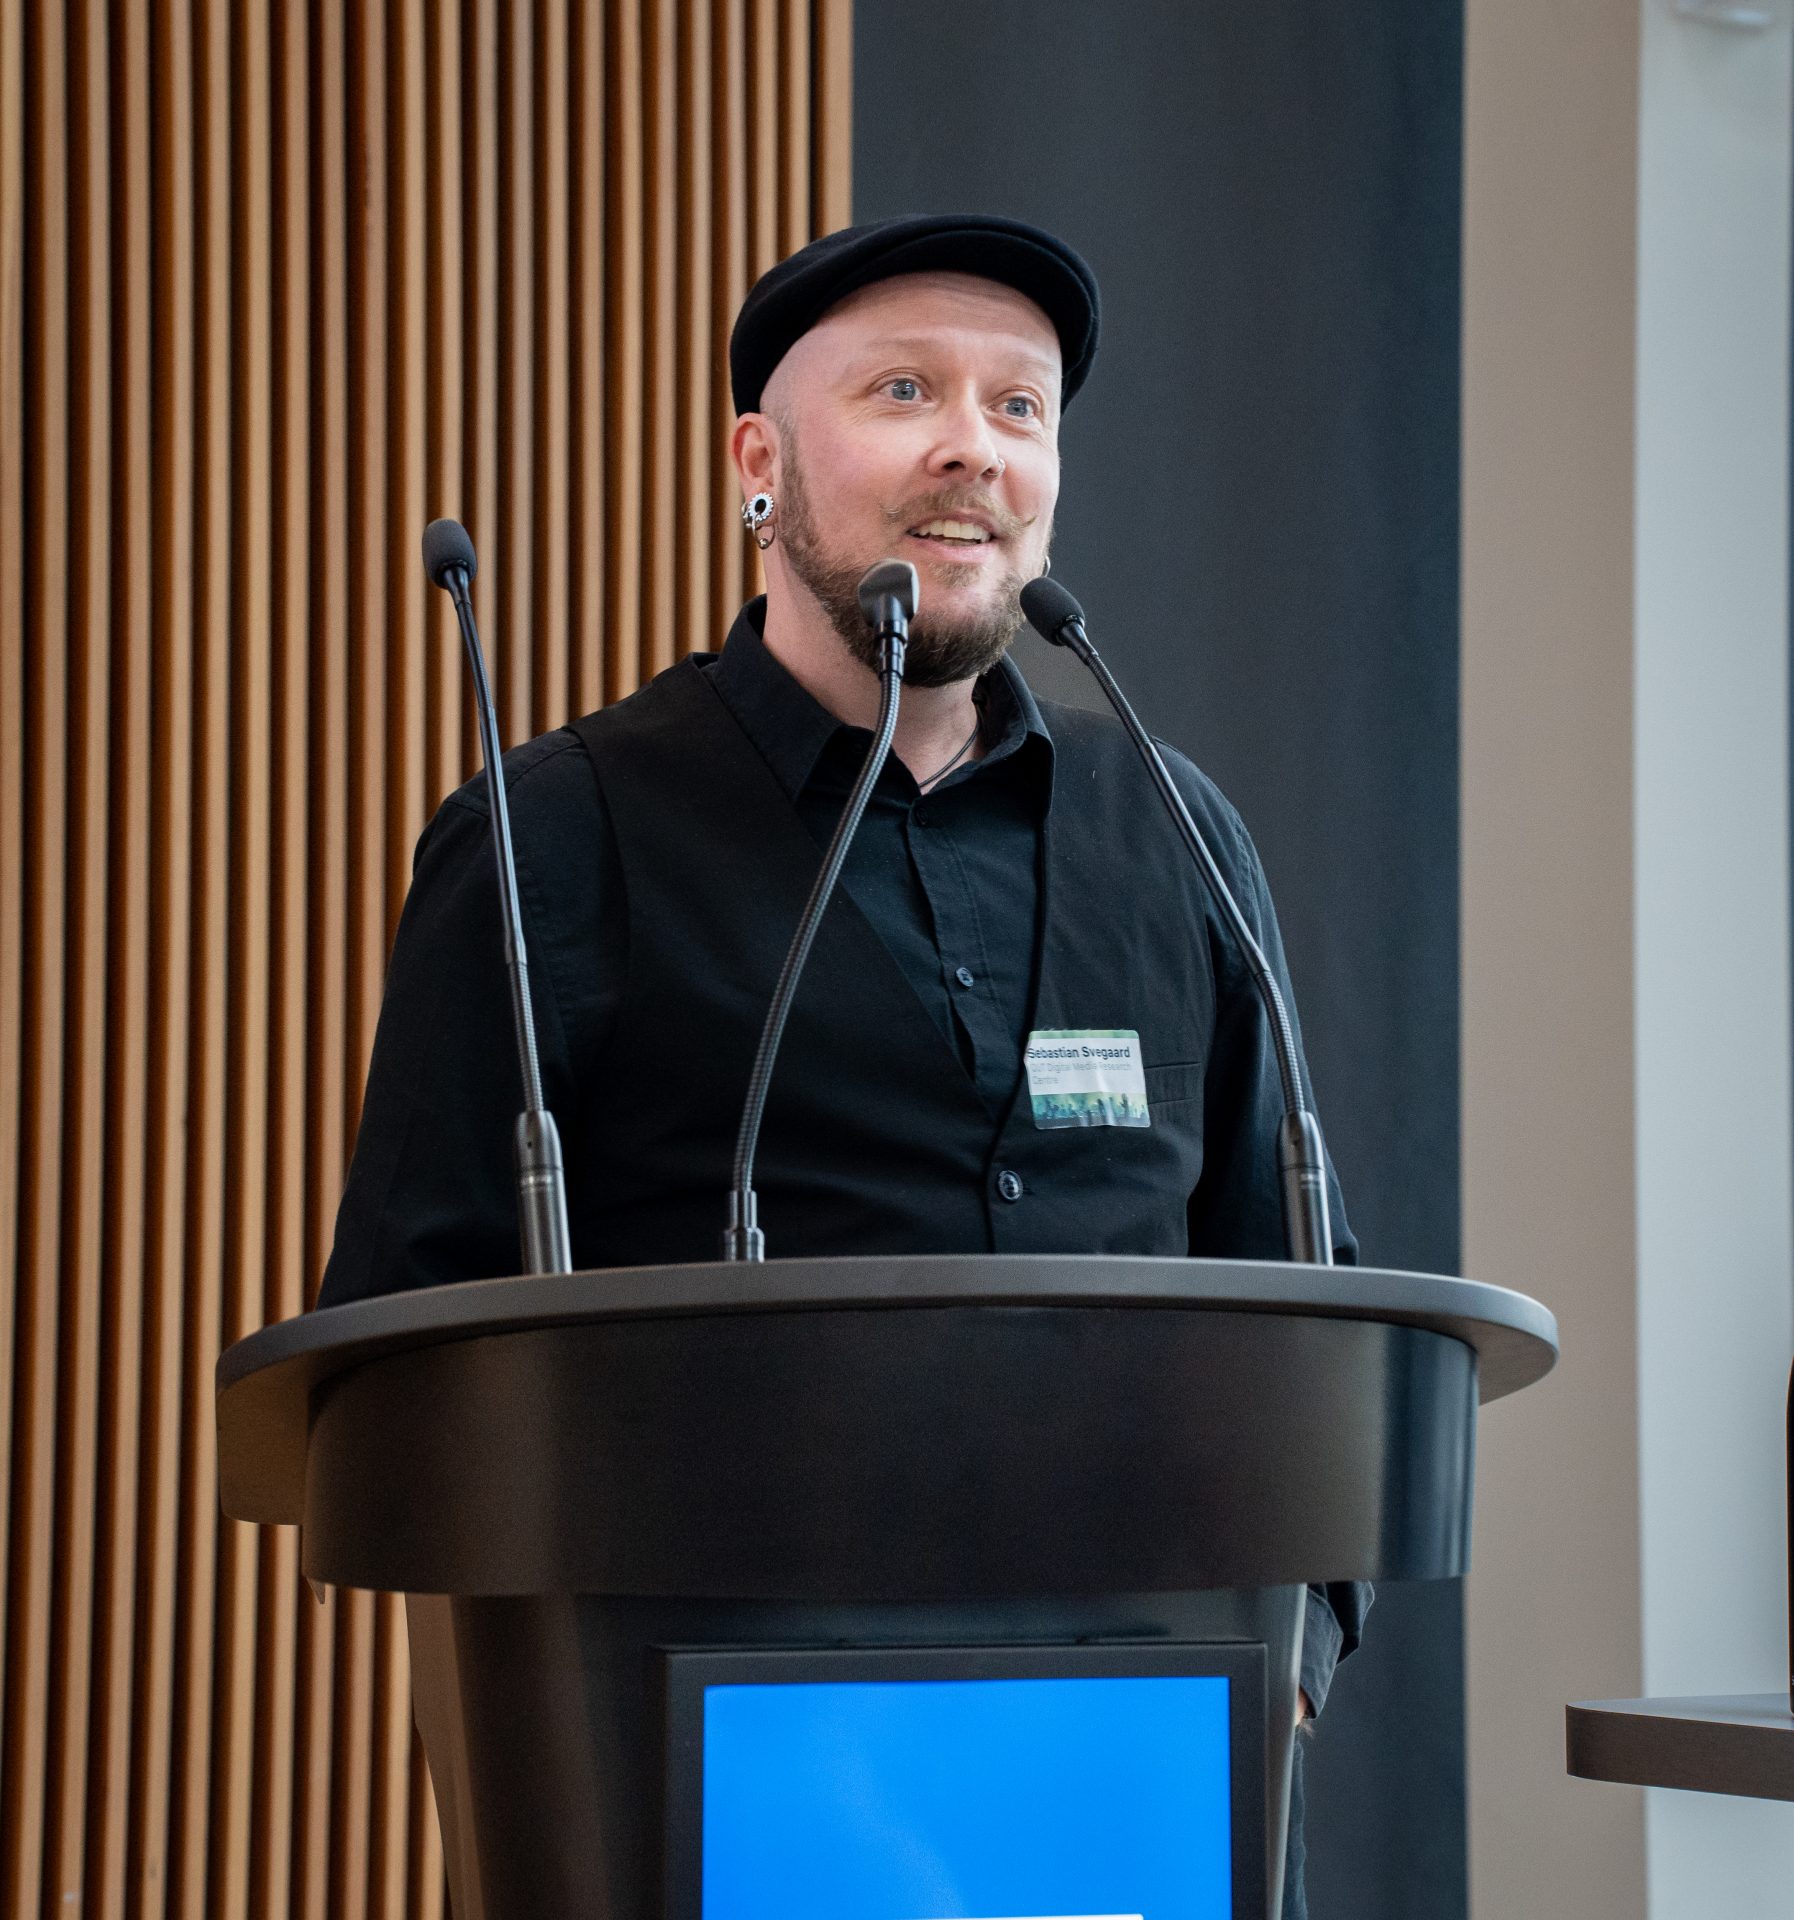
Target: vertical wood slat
552 187
484 284
735 559
90 533
126 1115
171 840
407 729
507 627
316 1870
446 272
795 142
660 455
209 903
698 351
588 506
36 1413
12 737
831 116
235 1748
273 1883
763 175
12 743
276 285
763 134
408 408
624 328
369 198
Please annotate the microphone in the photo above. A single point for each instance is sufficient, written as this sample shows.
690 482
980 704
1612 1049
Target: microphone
541 1185
888 602
1301 1156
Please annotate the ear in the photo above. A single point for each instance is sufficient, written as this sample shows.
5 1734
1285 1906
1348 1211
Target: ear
754 447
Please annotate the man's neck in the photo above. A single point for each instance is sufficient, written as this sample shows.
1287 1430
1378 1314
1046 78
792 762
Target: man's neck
933 723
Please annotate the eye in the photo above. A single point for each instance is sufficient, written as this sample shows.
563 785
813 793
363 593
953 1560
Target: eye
1021 406
903 388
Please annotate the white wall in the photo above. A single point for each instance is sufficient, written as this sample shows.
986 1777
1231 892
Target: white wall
1625 918
1716 1310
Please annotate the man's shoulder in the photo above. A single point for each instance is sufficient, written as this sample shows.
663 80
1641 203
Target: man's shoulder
547 773
552 774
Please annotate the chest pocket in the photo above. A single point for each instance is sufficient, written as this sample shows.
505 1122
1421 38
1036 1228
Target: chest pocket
1172 1083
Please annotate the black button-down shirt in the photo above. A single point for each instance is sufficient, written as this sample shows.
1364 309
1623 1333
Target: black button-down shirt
950 879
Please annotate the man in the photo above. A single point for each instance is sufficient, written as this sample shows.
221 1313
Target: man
899 390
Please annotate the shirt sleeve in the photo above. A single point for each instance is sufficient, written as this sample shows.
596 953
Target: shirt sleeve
431 1195
1237 1208
1334 1626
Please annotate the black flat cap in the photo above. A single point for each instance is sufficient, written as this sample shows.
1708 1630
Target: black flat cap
788 300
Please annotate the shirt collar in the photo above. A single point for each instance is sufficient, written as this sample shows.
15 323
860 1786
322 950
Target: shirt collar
792 729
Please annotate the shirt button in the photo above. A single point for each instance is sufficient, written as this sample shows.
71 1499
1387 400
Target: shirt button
922 819
1009 1184
964 976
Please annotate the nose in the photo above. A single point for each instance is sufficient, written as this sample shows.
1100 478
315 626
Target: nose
966 448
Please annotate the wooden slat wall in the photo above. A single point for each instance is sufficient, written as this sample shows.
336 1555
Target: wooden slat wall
278 284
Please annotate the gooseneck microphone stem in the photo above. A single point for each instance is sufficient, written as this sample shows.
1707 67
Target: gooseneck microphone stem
1288 1072
889 603
1301 1153
541 1180
743 1238
516 957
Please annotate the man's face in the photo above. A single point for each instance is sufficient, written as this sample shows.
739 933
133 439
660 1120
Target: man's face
919 420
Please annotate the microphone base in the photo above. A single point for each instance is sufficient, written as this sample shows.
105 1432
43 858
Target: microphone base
742 1238
541 1194
1302 1162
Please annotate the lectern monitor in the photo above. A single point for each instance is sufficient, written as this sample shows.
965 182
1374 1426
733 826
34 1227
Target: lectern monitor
1055 1783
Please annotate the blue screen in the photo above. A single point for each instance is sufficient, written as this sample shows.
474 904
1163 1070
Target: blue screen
968 1800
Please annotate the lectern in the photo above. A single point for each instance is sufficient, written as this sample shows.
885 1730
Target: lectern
724 1582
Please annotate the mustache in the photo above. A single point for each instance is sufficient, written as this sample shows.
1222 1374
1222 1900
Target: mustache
948 503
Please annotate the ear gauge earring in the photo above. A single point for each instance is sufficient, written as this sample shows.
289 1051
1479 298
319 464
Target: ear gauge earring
755 514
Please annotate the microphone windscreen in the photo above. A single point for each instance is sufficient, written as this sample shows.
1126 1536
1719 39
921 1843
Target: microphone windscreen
446 546
1050 609
889 580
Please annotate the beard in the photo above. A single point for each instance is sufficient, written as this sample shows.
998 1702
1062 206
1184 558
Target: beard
941 650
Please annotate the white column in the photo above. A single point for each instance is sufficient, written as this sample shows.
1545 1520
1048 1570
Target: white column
1625 918
1716 1210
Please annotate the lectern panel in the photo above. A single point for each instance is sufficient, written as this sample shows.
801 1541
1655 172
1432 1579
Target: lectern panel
1073 1782
932 1453
547 1727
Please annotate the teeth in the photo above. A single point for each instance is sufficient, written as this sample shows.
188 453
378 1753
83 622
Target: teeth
951 530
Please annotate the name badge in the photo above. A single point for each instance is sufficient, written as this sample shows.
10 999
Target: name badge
1086 1077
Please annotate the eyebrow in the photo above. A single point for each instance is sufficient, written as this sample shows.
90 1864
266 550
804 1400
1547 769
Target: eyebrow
918 343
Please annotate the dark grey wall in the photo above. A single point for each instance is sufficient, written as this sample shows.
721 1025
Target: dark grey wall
1260 517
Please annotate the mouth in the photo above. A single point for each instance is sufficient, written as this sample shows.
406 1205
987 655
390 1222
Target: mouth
959 537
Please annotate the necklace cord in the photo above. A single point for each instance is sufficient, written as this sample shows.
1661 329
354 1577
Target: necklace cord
940 773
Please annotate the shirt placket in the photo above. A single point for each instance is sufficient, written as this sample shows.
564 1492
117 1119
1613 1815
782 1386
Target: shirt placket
959 939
